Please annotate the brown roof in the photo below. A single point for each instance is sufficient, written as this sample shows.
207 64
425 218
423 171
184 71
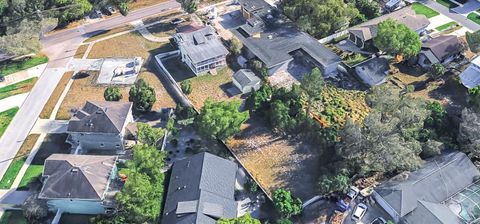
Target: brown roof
76 176
103 117
407 16
443 46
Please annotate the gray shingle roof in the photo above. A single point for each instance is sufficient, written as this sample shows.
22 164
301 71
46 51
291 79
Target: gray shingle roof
102 117
76 176
201 45
431 213
443 46
368 30
373 71
470 77
201 189
439 178
246 77
272 37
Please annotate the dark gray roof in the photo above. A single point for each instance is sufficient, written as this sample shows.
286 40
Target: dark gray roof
431 213
272 37
76 176
439 178
201 44
246 77
201 190
470 77
253 5
443 46
373 71
100 117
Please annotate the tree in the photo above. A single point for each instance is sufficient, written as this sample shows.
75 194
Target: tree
280 116
258 99
186 87
142 95
437 118
35 210
473 41
80 7
235 46
285 204
330 184
189 6
112 94
312 85
284 221
437 71
469 129
474 98
244 219
148 135
432 148
220 119
320 18
370 9
395 38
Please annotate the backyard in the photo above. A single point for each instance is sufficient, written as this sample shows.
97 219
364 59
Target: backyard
421 9
5 118
17 88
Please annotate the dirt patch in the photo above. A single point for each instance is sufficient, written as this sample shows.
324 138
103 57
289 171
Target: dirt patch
81 51
277 162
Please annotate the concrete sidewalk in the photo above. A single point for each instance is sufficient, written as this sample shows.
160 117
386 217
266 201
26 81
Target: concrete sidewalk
459 18
23 75
13 101
45 126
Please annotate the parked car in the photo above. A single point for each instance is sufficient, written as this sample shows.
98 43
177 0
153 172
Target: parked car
2 78
359 212
379 220
98 13
344 203
111 9
105 11
177 21
353 192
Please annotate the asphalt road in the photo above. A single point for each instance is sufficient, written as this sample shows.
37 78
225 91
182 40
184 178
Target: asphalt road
60 48
461 19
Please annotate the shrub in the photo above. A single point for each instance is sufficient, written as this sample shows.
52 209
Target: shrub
112 94
186 86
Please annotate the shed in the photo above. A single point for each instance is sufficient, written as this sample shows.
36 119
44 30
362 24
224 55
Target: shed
246 81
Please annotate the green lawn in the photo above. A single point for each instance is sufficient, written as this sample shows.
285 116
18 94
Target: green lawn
474 17
32 172
424 10
446 26
17 88
5 119
10 68
447 3
13 217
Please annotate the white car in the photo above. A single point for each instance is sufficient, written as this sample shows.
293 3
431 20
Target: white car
359 212
353 192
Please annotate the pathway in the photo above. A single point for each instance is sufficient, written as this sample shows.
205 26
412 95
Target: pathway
47 126
141 28
23 75
459 18
13 101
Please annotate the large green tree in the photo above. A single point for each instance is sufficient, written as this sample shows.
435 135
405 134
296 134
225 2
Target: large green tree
142 95
220 119
312 85
473 40
468 134
396 38
149 135
244 219
189 6
286 204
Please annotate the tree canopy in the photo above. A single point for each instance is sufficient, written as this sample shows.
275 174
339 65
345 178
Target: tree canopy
473 41
395 38
189 6
469 130
112 94
220 119
149 135
286 204
244 219
142 95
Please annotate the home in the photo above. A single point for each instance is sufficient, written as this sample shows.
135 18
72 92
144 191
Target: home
100 126
470 77
440 50
374 71
362 35
201 190
246 81
201 49
445 190
275 40
79 184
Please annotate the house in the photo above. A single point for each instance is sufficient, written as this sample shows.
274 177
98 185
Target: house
374 71
79 184
441 192
440 50
201 190
201 49
362 35
470 77
275 40
100 126
246 81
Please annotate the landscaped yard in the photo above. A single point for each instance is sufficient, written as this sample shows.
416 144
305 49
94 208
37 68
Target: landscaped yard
53 143
10 68
276 162
52 101
5 118
13 217
424 10
474 17
446 26
18 161
447 3
17 88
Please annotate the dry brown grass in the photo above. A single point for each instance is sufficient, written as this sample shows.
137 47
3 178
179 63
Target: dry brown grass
27 145
210 86
136 4
109 32
162 29
84 89
276 162
80 51
52 101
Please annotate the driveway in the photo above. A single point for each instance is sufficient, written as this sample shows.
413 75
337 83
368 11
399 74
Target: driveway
373 211
468 7
461 19
45 126
60 48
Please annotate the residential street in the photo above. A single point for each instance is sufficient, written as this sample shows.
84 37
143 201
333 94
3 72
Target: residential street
60 48
461 19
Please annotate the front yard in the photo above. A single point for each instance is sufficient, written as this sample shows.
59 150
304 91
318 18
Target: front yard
447 3
17 88
421 9
12 67
5 118
474 17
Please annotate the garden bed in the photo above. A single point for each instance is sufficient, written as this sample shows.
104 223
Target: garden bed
17 88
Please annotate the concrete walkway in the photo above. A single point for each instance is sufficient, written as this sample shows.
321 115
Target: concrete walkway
13 101
46 126
459 18
142 29
23 75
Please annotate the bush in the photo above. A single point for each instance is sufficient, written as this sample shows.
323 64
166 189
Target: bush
112 94
186 86
143 96
285 204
